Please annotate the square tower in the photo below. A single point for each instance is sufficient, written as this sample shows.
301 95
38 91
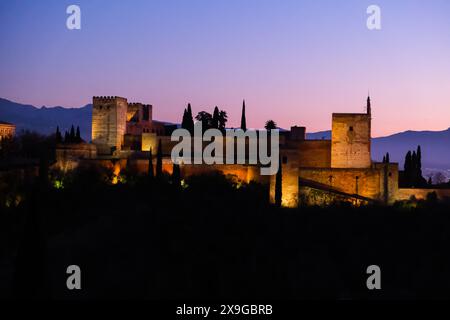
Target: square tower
109 116
350 140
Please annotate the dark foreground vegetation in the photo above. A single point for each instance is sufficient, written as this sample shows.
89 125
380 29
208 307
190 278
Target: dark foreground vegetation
212 238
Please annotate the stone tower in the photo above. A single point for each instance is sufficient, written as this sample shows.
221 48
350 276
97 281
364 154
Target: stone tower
109 115
350 139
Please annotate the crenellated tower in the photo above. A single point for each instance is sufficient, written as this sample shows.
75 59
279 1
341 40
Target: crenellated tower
109 116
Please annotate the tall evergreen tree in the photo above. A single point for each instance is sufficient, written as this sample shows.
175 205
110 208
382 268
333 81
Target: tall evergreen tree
58 136
413 173
66 137
384 159
243 119
72 134
189 119
184 121
388 160
278 183
407 168
78 135
150 165
419 166
159 160
176 175
215 118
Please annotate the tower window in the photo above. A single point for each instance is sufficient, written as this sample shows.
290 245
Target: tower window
351 128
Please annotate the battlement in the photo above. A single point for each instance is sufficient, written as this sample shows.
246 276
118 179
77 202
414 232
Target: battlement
107 99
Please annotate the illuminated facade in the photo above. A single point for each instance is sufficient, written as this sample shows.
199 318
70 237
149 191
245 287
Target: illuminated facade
313 171
7 130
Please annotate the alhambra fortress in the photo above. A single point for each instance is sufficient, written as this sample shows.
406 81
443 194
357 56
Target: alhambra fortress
313 171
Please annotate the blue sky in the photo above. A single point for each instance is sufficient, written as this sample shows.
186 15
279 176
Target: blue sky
293 61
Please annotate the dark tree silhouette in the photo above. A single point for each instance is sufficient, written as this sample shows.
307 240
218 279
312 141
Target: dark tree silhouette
223 118
408 168
184 120
243 119
215 118
412 174
270 125
419 177
72 134
205 118
278 183
58 136
189 119
388 160
159 156
176 175
150 165
78 135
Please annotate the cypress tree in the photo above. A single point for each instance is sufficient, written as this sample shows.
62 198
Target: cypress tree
78 135
413 173
190 119
66 137
243 119
72 134
183 122
407 168
159 160
58 136
384 159
176 175
278 183
388 160
419 178
215 119
150 165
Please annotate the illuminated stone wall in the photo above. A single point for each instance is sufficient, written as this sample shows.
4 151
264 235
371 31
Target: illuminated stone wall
108 123
421 194
350 141
68 155
370 183
7 130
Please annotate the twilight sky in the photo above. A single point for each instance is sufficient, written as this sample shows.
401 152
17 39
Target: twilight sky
293 61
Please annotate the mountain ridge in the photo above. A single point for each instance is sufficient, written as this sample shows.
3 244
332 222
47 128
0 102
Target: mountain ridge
435 144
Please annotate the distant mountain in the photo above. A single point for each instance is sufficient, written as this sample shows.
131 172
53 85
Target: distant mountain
44 120
435 144
435 147
321 135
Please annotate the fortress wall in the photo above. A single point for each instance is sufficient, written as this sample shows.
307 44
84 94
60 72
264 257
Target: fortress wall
389 180
368 185
350 139
68 155
315 153
421 194
244 173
